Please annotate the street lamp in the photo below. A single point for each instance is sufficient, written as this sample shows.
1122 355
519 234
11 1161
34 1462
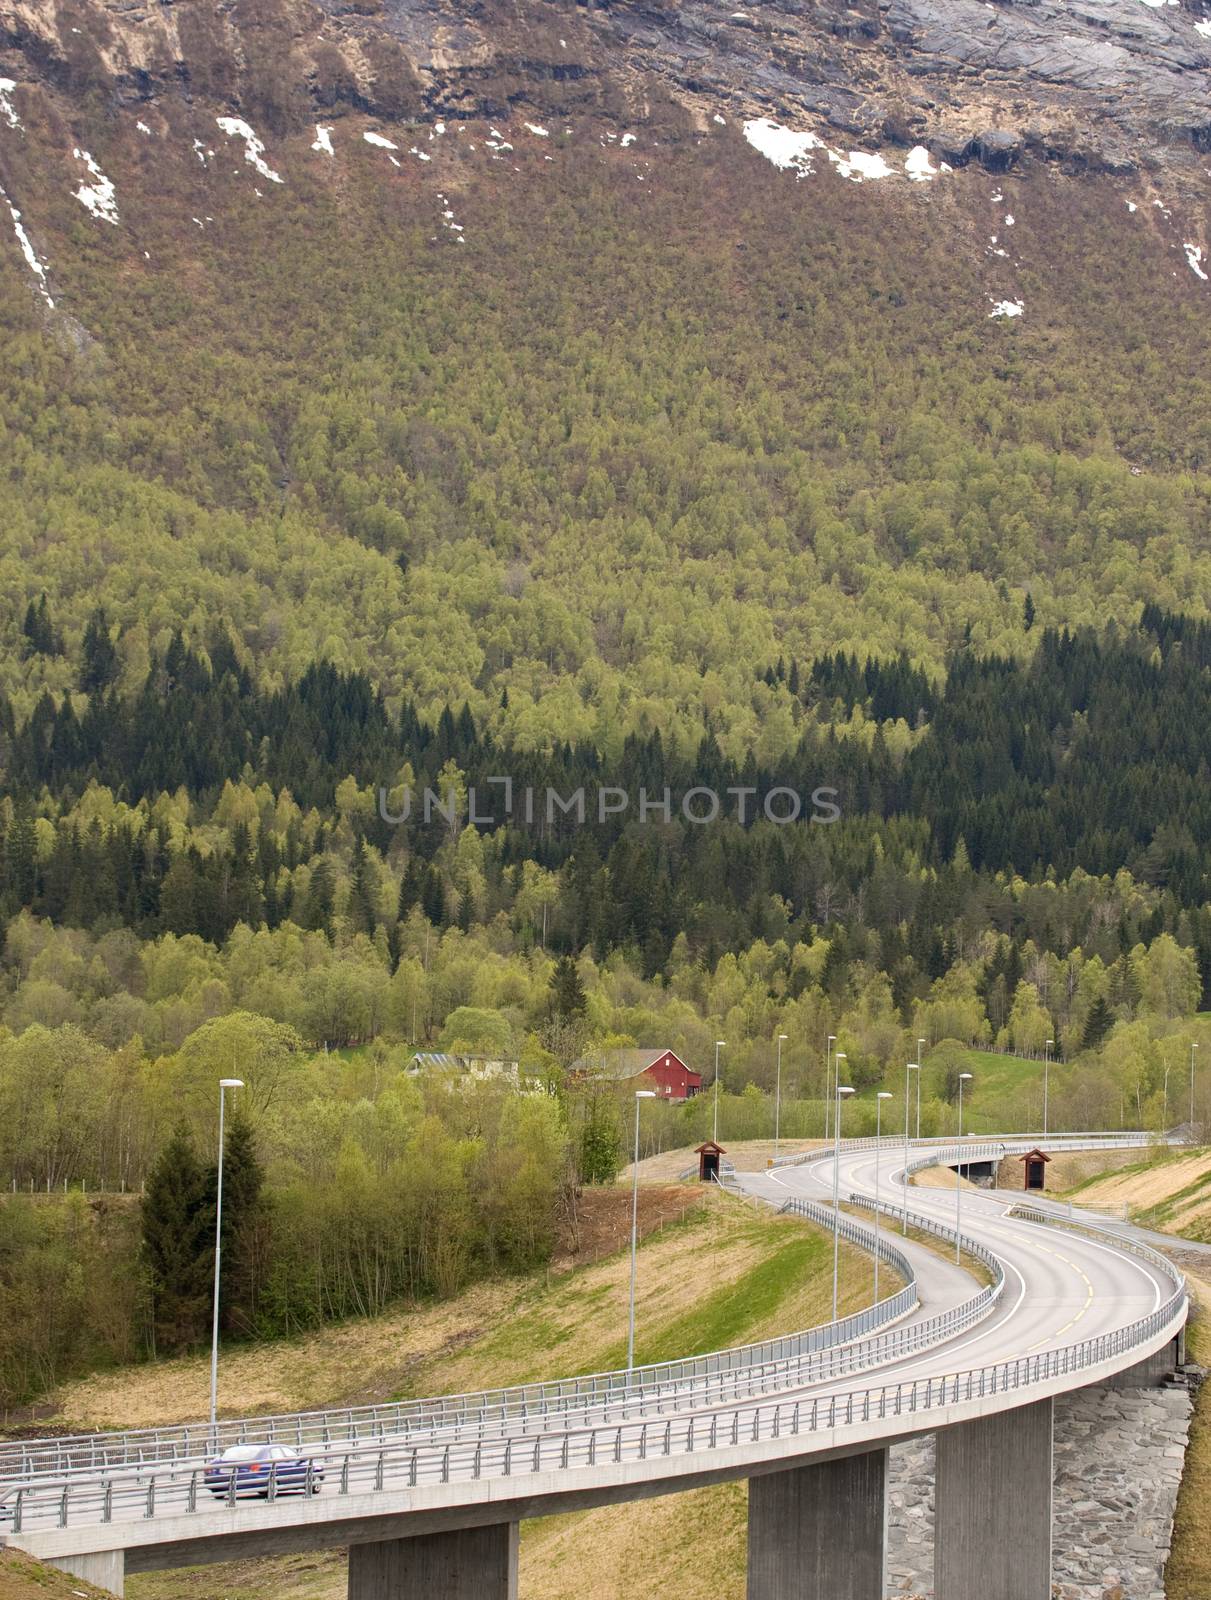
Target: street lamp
778 1094
920 1058
719 1044
1046 1077
828 1080
1165 1115
911 1066
640 1094
224 1085
842 1091
964 1077
883 1094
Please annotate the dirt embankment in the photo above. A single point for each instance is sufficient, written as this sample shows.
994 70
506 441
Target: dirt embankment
746 1155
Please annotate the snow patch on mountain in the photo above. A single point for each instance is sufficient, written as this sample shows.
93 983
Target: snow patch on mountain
795 152
27 250
1194 256
789 151
858 166
1007 308
99 197
7 109
323 140
378 140
254 149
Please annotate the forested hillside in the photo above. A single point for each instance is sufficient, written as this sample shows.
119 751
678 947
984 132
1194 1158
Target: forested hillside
700 419
573 427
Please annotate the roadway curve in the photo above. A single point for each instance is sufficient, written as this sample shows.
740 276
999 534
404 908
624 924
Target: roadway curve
1061 1287
1074 1309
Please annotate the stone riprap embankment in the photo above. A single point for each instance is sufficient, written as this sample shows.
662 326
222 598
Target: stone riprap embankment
1118 1466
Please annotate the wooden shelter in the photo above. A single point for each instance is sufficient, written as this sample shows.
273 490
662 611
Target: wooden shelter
1034 1171
709 1155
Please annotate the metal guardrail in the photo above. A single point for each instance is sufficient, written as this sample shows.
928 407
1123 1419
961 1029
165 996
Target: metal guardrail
557 1440
478 1414
1025 1212
398 1467
723 1387
607 1394
1012 1144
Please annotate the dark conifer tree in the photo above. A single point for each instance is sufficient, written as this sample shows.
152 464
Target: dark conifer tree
361 904
317 909
178 1246
1097 1024
567 991
433 898
41 639
99 664
245 1233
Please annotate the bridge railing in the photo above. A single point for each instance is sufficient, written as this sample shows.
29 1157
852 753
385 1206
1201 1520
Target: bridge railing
397 1466
727 1386
479 1413
723 1377
1013 1144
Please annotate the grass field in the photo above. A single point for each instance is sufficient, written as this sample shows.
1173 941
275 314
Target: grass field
1004 1096
724 1274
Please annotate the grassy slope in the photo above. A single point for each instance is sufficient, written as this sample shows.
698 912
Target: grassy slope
1167 1190
1188 1570
725 1275
1006 1093
24 1579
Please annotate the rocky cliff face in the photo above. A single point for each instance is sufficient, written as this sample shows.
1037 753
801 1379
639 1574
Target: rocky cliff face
1120 85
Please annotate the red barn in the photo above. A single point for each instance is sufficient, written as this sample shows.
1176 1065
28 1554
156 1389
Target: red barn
662 1070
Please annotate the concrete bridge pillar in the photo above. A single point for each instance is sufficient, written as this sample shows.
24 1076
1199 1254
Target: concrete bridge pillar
819 1532
467 1564
992 1507
106 1569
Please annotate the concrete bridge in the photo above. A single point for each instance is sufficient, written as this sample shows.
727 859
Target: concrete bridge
428 1496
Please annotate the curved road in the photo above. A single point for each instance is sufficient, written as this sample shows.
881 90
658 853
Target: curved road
1061 1286
1073 1309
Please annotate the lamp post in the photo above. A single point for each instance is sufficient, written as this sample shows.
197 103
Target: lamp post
224 1085
964 1077
828 1081
842 1091
911 1066
883 1094
920 1060
719 1044
778 1094
1193 1048
1165 1114
1046 1080
640 1094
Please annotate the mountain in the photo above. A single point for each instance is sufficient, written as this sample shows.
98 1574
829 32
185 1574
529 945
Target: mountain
1120 83
582 363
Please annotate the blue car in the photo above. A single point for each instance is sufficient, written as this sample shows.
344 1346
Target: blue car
247 1471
